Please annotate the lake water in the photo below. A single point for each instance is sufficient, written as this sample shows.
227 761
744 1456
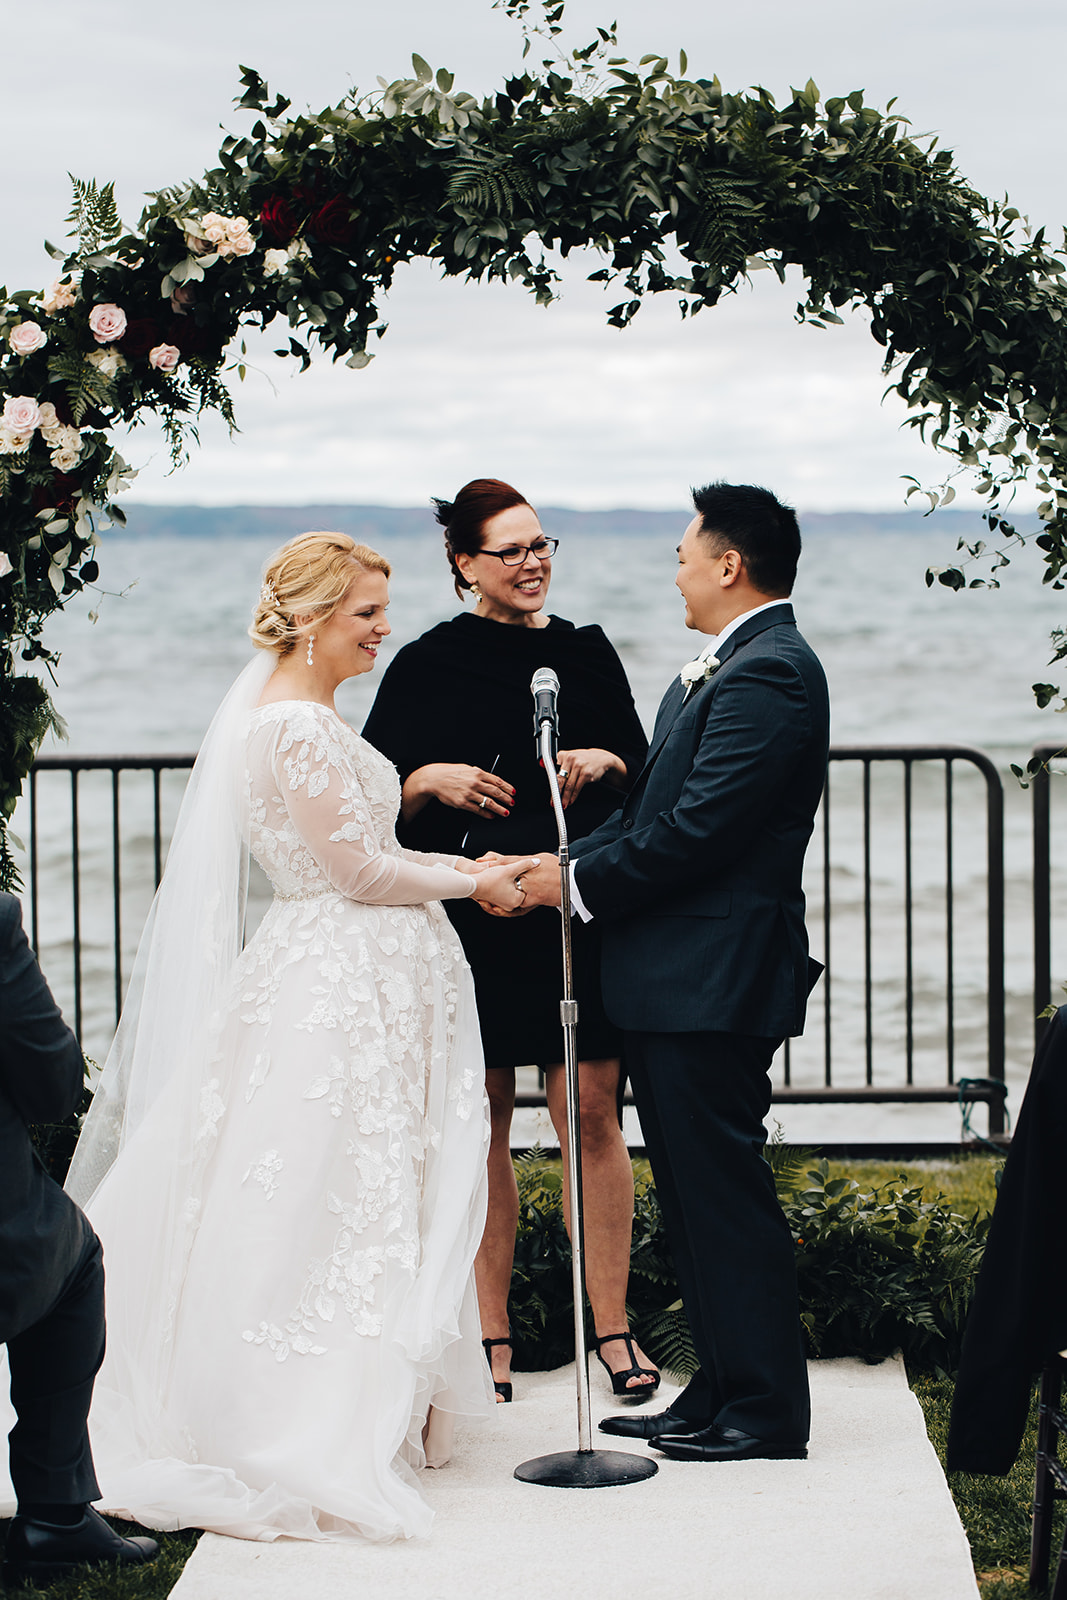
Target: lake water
905 664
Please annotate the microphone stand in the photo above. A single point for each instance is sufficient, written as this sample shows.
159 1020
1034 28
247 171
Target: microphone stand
584 1468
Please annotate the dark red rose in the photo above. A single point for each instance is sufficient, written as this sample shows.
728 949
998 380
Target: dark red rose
333 223
142 335
63 410
277 220
190 337
59 493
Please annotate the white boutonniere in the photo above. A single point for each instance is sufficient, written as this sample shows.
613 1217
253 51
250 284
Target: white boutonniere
695 673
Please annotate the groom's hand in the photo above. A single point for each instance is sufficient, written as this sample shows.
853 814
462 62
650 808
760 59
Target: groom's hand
542 883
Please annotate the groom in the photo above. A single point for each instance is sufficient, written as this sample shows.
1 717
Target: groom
696 883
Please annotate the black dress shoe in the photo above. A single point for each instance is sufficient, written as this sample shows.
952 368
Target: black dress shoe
663 1423
715 1443
40 1552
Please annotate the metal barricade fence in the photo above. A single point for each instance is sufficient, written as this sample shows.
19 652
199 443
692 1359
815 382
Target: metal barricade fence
902 899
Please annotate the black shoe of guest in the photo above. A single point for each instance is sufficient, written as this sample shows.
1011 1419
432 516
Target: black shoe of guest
41 1552
716 1443
663 1423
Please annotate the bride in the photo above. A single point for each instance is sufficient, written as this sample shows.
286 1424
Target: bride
285 1157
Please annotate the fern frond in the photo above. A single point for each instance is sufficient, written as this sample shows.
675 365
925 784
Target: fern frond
94 216
489 184
665 1335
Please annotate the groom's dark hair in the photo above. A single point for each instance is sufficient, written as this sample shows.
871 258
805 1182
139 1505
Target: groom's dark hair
764 532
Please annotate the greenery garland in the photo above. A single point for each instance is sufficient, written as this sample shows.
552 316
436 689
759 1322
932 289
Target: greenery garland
682 188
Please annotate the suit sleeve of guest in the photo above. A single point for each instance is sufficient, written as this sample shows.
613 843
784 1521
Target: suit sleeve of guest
41 1065
758 723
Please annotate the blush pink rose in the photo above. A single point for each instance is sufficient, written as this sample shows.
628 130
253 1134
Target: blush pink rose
107 323
21 414
164 357
59 296
26 338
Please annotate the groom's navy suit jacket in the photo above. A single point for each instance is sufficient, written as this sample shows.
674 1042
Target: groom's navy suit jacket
696 882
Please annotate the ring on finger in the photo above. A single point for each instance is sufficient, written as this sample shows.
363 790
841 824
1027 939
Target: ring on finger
485 802
564 774
521 887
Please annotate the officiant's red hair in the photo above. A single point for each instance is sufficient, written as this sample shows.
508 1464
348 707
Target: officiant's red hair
465 517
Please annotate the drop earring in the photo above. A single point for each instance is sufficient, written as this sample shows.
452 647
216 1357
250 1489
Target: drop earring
311 641
476 592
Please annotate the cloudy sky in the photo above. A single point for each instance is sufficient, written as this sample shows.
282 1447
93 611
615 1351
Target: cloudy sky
478 380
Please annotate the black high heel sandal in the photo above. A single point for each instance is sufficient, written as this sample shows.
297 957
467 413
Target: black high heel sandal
502 1388
620 1384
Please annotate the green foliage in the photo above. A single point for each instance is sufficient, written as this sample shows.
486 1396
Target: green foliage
879 1268
882 1269
26 715
96 221
312 212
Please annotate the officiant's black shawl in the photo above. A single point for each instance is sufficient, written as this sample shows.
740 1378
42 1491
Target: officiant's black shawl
461 693
1019 1315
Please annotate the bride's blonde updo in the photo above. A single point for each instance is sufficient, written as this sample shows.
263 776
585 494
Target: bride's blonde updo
309 576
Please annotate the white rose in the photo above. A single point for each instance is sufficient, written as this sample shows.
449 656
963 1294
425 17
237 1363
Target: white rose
700 670
21 414
164 357
107 323
5 564
26 338
243 245
275 262
106 362
57 298
64 438
213 227
49 418
13 444
65 460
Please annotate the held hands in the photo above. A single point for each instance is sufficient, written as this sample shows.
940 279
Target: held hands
539 877
579 767
502 885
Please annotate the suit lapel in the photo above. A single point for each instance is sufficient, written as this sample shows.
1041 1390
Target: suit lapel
669 708
675 697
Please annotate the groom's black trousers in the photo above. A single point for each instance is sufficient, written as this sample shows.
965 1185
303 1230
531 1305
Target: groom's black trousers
702 1098
53 1365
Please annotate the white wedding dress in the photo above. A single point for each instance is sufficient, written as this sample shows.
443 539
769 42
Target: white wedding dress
290 1229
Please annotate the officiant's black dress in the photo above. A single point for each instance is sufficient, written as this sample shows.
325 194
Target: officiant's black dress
461 693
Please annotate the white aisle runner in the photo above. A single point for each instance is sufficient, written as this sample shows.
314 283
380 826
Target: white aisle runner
867 1516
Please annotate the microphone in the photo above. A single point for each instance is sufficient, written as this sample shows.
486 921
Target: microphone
544 686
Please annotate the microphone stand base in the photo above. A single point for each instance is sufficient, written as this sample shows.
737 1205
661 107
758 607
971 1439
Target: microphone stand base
587 1469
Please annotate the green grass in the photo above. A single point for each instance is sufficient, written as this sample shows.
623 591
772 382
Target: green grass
153 1582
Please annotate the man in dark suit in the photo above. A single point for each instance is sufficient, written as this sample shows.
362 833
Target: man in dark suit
51 1289
697 885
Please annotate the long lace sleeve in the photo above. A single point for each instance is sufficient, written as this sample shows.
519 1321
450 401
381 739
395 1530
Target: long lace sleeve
326 799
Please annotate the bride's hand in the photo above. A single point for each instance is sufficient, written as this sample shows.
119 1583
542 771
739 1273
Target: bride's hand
500 887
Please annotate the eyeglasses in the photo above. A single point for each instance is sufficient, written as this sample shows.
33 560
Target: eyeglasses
513 555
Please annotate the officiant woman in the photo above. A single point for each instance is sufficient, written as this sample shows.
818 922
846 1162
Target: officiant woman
454 712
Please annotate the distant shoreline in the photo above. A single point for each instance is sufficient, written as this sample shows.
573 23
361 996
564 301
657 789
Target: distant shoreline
370 522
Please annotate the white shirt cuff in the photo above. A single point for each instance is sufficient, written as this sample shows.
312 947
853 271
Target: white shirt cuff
577 903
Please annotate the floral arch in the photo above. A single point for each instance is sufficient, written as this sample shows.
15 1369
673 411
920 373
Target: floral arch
306 217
